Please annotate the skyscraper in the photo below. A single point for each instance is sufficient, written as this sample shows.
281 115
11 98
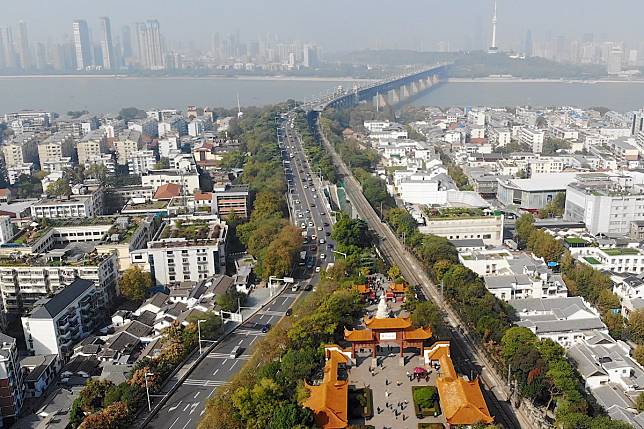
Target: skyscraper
107 48
493 48
529 47
8 52
148 41
24 54
82 45
126 41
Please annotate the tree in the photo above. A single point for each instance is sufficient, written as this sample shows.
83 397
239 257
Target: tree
229 301
92 396
524 228
130 113
59 188
289 415
351 232
636 326
163 163
210 325
514 338
135 284
554 208
98 172
427 314
234 159
256 405
638 354
394 273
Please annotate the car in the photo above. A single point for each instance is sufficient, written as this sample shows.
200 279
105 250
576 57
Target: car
311 224
308 287
314 237
295 287
317 269
324 214
323 256
319 228
315 195
265 328
322 241
300 215
289 311
326 223
328 234
234 352
329 246
306 187
312 204
303 225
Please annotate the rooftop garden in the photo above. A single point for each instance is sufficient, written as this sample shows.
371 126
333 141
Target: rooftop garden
453 213
621 251
150 205
125 234
575 240
189 231
591 260
31 235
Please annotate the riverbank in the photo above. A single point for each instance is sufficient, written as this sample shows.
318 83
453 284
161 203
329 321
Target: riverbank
523 80
277 78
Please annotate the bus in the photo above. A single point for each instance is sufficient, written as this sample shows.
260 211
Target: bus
302 258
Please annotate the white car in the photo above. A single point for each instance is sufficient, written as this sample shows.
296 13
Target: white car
323 256
321 241
303 225
315 195
311 224
317 269
319 228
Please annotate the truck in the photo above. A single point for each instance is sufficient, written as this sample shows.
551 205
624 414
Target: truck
302 258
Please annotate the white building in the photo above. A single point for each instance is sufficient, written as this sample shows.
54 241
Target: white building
11 379
168 145
487 228
196 127
14 173
532 137
6 229
615 259
55 324
89 205
156 178
127 142
141 161
500 136
185 250
566 321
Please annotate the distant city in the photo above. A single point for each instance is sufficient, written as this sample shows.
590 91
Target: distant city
142 46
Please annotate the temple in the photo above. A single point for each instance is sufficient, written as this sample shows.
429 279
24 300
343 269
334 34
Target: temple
387 331
329 400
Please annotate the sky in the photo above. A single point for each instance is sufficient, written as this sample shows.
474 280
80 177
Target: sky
344 25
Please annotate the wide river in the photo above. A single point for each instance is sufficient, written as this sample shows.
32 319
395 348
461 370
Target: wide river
110 94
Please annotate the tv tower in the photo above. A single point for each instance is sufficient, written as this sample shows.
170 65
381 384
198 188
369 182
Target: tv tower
493 48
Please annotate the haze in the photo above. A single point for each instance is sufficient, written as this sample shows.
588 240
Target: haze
340 25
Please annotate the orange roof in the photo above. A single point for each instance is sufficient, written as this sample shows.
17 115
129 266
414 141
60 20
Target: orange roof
358 335
363 288
398 287
203 196
417 334
167 191
388 323
5 192
462 401
330 400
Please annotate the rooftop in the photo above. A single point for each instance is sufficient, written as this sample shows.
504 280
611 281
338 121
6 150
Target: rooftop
55 305
621 251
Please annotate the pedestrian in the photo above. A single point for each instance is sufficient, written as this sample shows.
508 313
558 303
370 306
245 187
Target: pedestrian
378 410
407 374
386 382
398 382
387 404
403 417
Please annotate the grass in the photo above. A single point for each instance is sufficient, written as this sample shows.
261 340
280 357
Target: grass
425 401
621 251
591 260
575 240
454 213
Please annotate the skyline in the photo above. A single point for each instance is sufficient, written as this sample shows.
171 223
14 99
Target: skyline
462 24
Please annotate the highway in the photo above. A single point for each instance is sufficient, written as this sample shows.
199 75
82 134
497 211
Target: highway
186 405
471 357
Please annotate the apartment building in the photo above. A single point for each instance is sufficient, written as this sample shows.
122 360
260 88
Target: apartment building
188 179
55 324
615 259
14 173
12 389
26 279
74 206
59 145
232 200
21 149
127 142
92 145
500 136
452 226
532 137
141 161
189 249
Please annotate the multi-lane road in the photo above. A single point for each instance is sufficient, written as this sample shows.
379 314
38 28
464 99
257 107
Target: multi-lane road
184 408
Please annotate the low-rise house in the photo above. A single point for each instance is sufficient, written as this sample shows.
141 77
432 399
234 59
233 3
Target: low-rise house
565 321
39 372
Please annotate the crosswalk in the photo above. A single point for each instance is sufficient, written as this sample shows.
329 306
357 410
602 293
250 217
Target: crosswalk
215 355
249 332
204 383
272 313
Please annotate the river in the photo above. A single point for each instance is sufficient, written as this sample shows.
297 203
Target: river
110 94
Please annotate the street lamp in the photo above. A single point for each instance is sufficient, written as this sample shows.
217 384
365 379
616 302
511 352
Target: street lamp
147 390
341 253
199 332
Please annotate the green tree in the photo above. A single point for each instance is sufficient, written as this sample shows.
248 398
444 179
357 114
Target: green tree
524 228
289 415
162 163
638 354
59 188
427 314
130 113
394 273
554 208
234 159
92 395
514 338
210 325
636 326
231 300
256 404
135 284
98 172
351 232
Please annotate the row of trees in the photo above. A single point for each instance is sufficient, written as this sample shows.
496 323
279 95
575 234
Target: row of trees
269 389
319 158
105 405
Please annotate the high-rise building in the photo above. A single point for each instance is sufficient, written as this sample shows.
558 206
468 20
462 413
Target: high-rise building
24 53
615 60
82 45
107 48
310 57
148 41
529 47
9 54
126 41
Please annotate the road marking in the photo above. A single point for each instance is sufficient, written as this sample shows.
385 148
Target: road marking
233 365
253 340
187 405
203 383
187 423
174 423
175 407
201 413
197 394
242 340
216 371
194 406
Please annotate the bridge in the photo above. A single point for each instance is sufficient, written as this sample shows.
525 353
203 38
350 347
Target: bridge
389 92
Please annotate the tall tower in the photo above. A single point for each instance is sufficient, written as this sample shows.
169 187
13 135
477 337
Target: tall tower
107 48
149 45
493 48
82 45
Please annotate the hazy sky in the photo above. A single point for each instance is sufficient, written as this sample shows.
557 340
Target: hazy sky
343 24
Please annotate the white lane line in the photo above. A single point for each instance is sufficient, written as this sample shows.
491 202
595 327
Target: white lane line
242 340
233 365
175 407
186 407
216 371
224 362
197 394
201 413
174 423
213 391
187 423
253 340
